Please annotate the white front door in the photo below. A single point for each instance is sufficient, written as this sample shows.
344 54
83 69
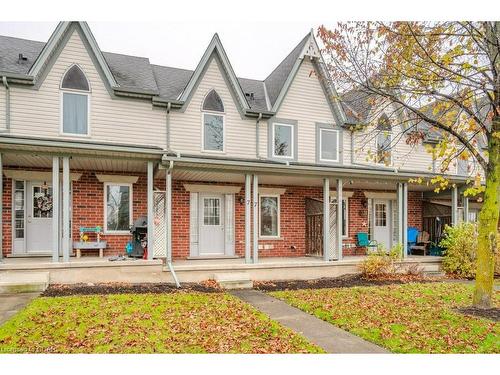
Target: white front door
382 227
38 217
211 214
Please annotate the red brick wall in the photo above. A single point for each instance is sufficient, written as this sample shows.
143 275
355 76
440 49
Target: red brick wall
88 210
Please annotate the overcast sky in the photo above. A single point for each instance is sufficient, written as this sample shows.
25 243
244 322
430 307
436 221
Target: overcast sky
254 48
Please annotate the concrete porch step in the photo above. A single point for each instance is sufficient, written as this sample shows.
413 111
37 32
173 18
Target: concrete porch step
23 282
234 280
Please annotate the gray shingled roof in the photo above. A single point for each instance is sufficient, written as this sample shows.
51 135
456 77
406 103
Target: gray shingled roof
138 74
276 80
132 72
10 48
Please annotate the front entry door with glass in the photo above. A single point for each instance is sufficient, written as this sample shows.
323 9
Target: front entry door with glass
211 214
38 217
382 220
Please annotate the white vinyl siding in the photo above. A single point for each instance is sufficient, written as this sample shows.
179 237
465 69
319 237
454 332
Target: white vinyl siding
3 117
37 112
186 132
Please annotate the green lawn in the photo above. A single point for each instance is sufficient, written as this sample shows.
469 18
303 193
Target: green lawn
410 318
183 322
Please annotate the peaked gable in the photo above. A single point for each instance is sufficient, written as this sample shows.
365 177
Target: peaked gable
215 49
57 39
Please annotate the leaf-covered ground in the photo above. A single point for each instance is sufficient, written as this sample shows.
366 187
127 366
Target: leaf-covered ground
410 318
146 323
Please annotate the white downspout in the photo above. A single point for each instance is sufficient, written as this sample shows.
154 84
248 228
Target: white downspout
7 103
169 221
257 136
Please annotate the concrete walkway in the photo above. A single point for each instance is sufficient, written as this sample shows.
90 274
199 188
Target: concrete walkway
319 332
11 303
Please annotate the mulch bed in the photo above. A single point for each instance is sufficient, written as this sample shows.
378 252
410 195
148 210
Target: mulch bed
346 281
59 290
492 314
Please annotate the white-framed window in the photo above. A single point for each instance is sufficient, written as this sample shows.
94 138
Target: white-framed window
75 103
283 139
329 145
117 208
345 216
213 123
269 214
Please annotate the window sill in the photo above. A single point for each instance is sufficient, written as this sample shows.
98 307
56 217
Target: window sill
70 135
116 233
261 238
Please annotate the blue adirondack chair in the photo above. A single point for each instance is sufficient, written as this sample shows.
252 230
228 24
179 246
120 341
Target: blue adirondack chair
363 241
412 236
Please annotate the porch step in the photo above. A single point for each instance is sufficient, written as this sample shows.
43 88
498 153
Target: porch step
23 282
234 280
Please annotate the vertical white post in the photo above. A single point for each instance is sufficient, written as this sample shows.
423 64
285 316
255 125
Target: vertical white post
151 235
405 218
339 218
1 207
168 216
326 219
454 205
65 213
400 211
248 214
55 209
466 209
255 218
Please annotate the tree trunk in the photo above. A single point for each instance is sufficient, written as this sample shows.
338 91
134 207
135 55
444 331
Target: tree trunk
488 225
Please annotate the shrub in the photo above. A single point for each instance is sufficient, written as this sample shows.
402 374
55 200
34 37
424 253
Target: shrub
460 245
380 262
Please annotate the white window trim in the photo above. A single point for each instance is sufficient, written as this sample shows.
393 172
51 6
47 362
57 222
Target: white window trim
61 112
346 200
292 153
391 149
223 115
278 236
131 208
321 130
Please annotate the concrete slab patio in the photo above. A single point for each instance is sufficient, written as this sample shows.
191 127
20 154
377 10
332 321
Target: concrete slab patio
319 332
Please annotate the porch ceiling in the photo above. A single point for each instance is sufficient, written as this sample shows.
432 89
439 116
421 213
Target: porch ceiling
24 160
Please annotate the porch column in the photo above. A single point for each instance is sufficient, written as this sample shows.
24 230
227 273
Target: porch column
65 212
339 218
466 209
454 205
168 215
326 219
248 214
1 207
150 211
255 218
404 188
55 209
399 196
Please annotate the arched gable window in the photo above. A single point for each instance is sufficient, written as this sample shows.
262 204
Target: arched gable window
213 123
213 102
384 139
75 91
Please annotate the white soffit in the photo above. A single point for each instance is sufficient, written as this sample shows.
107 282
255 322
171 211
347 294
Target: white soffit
119 179
345 194
221 189
380 195
35 175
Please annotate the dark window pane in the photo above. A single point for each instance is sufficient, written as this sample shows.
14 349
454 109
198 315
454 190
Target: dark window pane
118 207
75 80
283 140
269 216
213 138
213 102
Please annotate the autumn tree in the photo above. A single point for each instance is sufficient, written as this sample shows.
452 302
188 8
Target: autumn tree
444 80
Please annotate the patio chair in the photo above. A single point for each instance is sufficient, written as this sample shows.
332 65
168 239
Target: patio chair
411 236
422 244
363 241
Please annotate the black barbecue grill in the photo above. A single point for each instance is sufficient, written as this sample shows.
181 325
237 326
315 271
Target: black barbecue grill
139 233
